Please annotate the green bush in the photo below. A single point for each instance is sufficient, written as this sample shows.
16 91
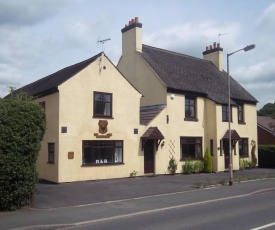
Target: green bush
191 166
207 160
22 125
266 155
173 165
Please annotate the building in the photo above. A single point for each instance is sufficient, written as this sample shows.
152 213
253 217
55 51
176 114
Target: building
105 121
195 94
266 130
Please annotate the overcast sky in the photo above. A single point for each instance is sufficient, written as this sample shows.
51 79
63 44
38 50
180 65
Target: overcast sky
40 37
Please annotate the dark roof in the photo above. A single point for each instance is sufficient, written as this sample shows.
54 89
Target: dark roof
50 83
185 74
266 123
148 113
234 135
152 133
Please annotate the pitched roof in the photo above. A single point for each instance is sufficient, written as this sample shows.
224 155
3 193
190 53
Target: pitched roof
49 84
234 135
148 113
152 133
188 74
266 123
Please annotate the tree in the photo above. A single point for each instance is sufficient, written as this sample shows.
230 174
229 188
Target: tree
207 160
267 110
22 127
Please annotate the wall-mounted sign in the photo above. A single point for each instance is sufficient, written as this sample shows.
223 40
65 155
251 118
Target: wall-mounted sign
101 161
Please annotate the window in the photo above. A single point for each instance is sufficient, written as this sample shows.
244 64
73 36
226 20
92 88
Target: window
102 152
190 107
191 148
42 104
225 115
243 147
240 114
212 147
51 153
102 104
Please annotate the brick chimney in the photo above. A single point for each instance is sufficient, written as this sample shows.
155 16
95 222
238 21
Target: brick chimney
132 37
214 54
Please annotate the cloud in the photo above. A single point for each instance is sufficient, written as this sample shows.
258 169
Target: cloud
267 20
30 12
187 38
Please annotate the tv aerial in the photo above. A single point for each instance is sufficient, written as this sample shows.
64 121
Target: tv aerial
102 42
221 35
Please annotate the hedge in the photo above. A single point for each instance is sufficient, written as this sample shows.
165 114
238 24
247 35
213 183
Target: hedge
266 155
22 127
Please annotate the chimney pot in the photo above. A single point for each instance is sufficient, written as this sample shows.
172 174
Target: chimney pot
206 48
133 21
210 47
136 19
129 22
215 45
218 45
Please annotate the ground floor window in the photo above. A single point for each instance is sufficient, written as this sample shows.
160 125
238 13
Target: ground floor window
51 153
243 147
191 148
102 152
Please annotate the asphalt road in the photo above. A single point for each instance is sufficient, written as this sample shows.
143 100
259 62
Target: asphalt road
245 205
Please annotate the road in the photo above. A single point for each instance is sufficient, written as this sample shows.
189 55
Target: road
248 205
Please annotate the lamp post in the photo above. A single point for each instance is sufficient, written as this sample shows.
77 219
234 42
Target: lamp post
247 48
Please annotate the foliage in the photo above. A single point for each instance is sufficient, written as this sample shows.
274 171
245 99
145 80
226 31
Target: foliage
266 154
173 165
19 95
133 174
192 166
246 164
253 153
22 125
267 110
207 161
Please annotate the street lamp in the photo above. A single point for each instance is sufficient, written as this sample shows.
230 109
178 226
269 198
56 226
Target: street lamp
247 48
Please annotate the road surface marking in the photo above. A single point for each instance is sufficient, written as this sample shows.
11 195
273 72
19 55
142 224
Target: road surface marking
264 226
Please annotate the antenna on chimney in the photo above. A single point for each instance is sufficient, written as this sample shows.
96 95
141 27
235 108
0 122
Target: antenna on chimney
221 35
102 41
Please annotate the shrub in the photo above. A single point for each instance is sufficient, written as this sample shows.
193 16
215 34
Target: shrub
22 125
173 165
192 166
207 160
266 154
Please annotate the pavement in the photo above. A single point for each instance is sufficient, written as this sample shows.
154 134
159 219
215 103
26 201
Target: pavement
89 192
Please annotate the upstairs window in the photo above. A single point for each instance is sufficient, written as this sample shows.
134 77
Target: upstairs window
190 108
240 114
102 104
225 115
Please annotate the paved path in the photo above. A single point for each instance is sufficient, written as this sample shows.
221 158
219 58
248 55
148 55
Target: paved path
88 192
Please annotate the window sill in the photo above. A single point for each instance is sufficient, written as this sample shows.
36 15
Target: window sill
103 117
100 165
241 123
190 159
191 119
50 163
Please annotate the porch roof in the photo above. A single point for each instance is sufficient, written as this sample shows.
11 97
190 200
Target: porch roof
234 135
152 133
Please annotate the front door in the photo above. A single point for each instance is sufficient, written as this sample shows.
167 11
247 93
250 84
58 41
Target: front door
226 153
149 159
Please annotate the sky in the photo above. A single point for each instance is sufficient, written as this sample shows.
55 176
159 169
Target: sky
40 37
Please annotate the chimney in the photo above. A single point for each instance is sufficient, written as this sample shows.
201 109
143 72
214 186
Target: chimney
132 37
214 54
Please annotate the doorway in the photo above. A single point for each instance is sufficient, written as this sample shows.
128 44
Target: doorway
149 158
226 153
